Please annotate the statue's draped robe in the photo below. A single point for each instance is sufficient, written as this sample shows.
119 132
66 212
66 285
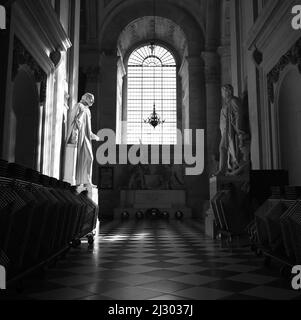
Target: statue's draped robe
80 133
231 125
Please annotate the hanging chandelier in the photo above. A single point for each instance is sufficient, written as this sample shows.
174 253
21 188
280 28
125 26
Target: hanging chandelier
154 120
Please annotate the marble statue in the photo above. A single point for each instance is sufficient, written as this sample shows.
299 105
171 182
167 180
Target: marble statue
80 134
244 139
235 139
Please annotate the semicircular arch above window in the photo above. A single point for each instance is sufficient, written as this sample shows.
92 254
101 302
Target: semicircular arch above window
147 54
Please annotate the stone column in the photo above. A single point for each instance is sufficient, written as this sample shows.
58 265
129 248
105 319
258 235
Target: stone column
225 60
213 82
108 91
213 94
198 186
107 120
74 52
224 48
213 97
213 25
197 92
93 77
236 46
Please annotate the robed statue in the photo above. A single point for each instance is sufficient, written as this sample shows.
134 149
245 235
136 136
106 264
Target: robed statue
235 137
80 135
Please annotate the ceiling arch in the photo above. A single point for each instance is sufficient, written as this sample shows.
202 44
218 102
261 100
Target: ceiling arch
132 11
197 8
147 28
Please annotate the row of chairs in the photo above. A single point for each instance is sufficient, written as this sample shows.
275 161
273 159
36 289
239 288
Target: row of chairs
278 225
39 220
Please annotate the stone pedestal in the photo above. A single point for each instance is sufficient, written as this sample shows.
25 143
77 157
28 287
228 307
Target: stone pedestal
214 103
217 184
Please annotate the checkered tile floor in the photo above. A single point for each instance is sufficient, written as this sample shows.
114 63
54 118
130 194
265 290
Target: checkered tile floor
158 261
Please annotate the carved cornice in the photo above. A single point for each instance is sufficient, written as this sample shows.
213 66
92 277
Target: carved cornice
46 21
267 22
293 56
39 28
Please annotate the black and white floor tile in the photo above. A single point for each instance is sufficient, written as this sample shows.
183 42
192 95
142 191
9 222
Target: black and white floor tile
157 260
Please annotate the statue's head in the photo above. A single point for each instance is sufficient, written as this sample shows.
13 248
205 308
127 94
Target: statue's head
88 99
227 91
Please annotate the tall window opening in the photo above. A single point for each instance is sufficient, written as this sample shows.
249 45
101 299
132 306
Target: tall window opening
152 84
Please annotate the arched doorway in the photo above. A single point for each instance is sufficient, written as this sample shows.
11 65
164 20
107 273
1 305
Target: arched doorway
26 116
289 124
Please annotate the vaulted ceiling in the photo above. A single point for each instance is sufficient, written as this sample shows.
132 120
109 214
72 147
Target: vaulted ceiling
182 24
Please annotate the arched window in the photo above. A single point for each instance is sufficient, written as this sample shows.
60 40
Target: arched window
152 82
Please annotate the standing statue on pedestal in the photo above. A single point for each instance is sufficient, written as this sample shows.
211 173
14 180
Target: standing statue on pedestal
235 137
81 136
